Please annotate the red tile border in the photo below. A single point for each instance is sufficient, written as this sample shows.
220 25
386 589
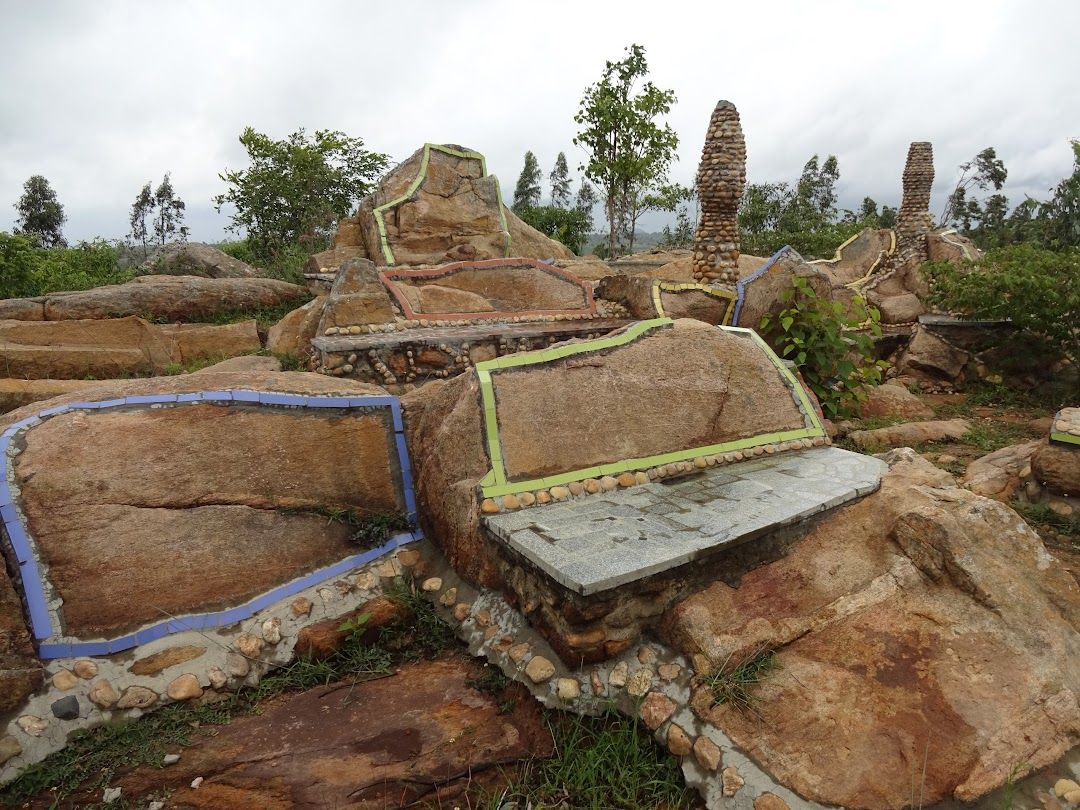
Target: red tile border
390 275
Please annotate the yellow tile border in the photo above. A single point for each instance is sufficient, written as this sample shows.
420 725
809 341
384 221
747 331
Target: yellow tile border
674 286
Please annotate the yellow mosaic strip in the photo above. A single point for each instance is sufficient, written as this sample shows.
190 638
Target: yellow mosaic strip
674 286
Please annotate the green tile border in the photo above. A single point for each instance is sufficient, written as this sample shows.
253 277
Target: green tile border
495 483
380 221
1067 438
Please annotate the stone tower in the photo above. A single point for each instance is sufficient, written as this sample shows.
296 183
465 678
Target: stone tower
914 218
721 179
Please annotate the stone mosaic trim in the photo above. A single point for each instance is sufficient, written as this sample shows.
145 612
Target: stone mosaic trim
963 248
1066 426
742 284
717 292
389 278
45 613
378 213
496 484
877 263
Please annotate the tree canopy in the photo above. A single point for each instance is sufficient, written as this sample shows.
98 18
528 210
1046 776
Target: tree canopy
628 151
296 189
527 191
41 216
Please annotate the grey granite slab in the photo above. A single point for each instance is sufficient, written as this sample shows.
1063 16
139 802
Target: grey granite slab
602 541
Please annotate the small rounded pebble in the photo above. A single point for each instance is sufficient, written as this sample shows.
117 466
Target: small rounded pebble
641 478
137 697
639 683
217 677
568 688
511 502
543 496
678 741
626 480
301 606
432 584
271 631
707 753
448 598
576 488
607 483
489 507
103 695
527 498
461 611
251 646
592 486
85 669
66 708
64 680
170 759
408 557
32 724
184 687
559 493
539 669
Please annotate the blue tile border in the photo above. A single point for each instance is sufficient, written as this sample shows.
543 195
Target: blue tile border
33 581
742 284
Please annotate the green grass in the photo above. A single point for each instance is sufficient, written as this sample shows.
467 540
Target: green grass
1042 516
734 684
600 763
427 635
990 435
369 530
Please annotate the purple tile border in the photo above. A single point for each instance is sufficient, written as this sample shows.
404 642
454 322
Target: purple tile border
741 284
33 581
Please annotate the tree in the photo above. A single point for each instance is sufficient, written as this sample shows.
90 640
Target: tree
816 189
560 182
527 191
570 226
170 212
665 198
40 214
296 189
586 201
140 210
1062 212
629 153
982 171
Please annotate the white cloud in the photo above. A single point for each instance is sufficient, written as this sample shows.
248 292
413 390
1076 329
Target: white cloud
102 97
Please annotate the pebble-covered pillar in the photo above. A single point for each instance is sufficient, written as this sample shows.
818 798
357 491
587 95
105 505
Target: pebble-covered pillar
721 180
914 218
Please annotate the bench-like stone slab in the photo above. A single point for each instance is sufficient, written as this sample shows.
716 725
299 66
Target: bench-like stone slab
602 541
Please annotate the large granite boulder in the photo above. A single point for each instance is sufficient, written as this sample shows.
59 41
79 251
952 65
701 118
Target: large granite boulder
439 206
140 512
164 298
81 348
763 288
357 297
14 392
293 333
998 474
923 626
1058 467
685 386
196 259
20 671
893 399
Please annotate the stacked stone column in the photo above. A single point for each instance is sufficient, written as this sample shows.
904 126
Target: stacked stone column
914 220
721 180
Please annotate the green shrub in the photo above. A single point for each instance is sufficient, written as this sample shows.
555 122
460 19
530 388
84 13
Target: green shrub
811 243
28 270
833 348
1037 289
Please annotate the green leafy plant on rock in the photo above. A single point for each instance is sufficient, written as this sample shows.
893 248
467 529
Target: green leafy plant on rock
831 345
1037 289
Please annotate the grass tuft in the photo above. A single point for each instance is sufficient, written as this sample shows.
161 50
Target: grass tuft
734 684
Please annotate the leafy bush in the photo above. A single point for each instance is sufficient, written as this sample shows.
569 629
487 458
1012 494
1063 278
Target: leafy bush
570 226
1037 289
832 347
811 243
28 270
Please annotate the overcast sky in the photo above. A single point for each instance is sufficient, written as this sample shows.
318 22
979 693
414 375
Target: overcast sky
100 97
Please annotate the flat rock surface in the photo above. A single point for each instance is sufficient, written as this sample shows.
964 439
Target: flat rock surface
422 736
143 513
910 433
609 539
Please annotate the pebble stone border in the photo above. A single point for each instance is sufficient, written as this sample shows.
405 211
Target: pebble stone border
673 286
389 278
45 613
82 692
1066 426
648 681
627 472
378 212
